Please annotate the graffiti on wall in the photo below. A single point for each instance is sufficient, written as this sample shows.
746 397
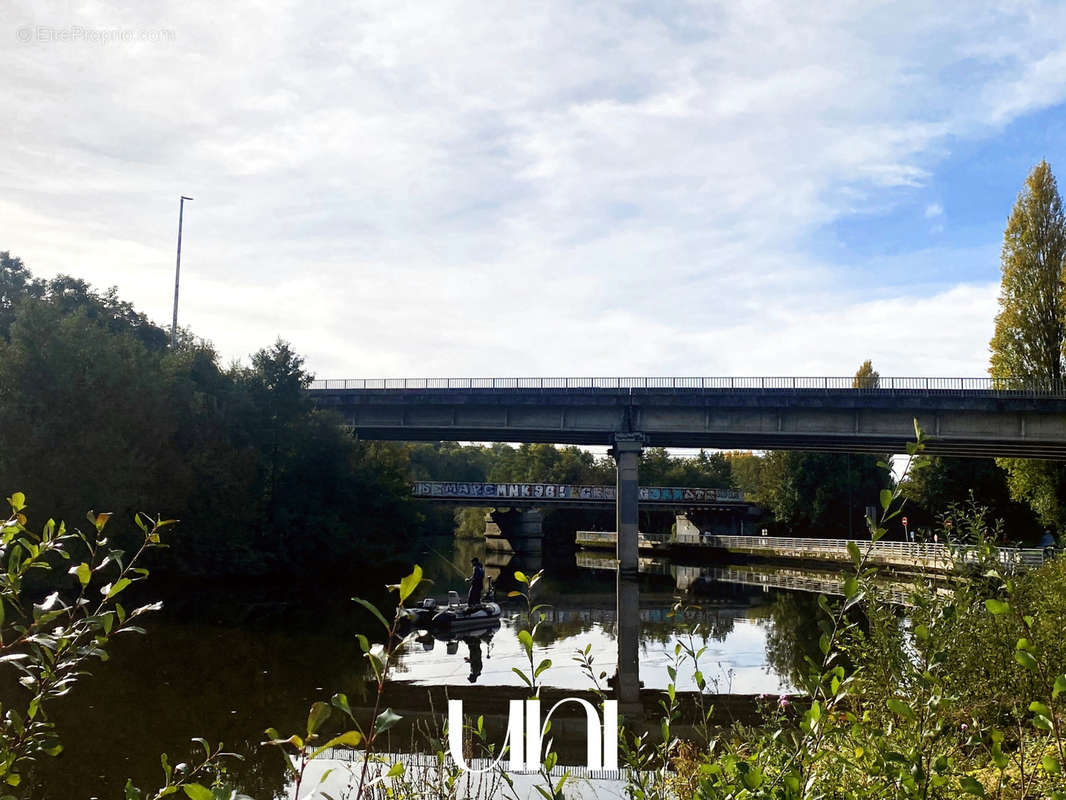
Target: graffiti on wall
562 491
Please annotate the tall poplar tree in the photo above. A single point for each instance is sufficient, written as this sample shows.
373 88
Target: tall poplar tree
1030 334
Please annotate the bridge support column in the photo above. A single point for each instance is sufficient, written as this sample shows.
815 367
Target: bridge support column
517 533
686 530
626 453
627 678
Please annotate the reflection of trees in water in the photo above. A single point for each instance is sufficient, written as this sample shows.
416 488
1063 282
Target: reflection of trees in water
225 684
792 633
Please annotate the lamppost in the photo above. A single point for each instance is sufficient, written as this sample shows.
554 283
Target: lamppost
177 275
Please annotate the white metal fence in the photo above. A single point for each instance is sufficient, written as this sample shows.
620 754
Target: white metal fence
900 553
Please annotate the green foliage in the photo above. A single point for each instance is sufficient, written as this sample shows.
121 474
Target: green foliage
265 483
866 377
1030 336
1030 331
821 494
941 482
1040 484
51 643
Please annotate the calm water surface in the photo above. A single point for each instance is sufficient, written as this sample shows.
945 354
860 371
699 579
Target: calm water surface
225 663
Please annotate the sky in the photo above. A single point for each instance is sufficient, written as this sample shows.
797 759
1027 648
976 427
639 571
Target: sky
561 188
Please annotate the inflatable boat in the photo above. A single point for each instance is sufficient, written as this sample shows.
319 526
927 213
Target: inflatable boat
431 615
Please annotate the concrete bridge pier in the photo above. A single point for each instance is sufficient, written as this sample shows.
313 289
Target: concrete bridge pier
515 533
627 678
685 530
626 453
720 522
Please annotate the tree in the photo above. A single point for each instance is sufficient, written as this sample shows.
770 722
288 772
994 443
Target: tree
1030 329
1029 335
745 468
936 483
866 377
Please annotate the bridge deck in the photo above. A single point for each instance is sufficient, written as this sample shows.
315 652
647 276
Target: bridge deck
960 416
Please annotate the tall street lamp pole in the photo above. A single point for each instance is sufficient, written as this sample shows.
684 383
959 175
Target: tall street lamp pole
177 275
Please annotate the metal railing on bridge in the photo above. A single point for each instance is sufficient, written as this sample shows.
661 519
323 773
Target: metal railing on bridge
998 386
918 553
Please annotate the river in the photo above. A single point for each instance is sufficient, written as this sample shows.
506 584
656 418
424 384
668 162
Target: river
226 662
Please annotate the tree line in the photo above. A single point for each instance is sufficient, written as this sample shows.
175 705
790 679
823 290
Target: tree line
100 412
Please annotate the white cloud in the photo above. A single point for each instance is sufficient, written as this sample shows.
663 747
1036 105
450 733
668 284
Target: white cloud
934 210
454 188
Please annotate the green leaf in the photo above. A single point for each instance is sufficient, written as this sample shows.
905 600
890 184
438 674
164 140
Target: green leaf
521 577
341 701
394 770
997 606
851 587
409 583
1025 659
1039 708
111 590
349 738
900 708
318 714
523 676
970 785
197 791
526 638
18 501
373 610
921 633
886 498
823 643
386 719
1042 723
814 713
83 571
1051 765
753 778
855 553
545 664
1060 686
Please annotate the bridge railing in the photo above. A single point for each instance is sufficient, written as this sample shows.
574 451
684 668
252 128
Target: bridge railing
913 551
998 386
929 553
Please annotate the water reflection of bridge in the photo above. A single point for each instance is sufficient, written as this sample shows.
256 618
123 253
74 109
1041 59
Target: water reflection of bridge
697 579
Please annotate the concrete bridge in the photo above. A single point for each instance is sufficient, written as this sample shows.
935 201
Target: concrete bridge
562 495
515 525
975 417
961 416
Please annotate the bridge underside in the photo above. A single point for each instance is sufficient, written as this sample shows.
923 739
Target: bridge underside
841 443
973 424
589 505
